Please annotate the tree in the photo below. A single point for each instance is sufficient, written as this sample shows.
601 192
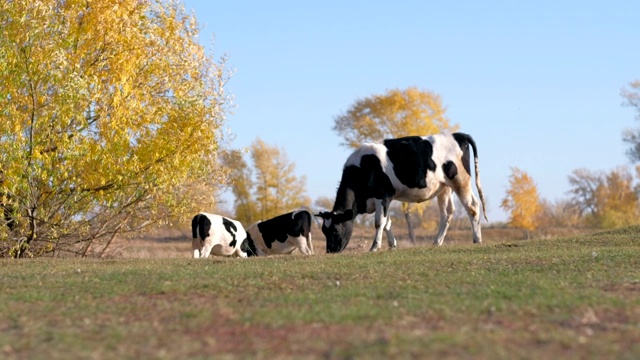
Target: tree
395 113
267 189
605 200
632 136
558 214
619 199
522 201
324 203
110 112
240 175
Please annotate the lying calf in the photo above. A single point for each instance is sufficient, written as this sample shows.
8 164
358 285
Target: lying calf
217 235
281 235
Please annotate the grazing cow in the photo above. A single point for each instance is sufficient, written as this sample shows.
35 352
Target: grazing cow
217 235
281 234
409 169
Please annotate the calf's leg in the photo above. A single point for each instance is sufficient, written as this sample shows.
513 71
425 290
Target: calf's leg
301 243
196 244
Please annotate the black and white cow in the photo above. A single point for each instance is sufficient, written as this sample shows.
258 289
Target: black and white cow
217 235
409 169
281 234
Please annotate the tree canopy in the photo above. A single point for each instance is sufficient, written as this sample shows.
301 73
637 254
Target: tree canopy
266 188
395 113
606 200
522 201
631 95
108 113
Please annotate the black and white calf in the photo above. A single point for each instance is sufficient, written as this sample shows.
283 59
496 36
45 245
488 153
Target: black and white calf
217 235
409 169
281 234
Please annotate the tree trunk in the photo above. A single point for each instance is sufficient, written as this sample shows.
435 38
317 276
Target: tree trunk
407 217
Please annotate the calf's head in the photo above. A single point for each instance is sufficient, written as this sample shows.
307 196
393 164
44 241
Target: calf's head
337 228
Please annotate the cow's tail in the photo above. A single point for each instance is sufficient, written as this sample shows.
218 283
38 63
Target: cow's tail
477 169
194 226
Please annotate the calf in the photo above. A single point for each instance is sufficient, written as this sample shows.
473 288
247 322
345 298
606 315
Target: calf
217 235
409 169
281 234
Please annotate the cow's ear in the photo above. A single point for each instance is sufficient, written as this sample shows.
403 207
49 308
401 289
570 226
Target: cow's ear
345 216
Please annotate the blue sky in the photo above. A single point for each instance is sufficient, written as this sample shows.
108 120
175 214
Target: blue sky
536 83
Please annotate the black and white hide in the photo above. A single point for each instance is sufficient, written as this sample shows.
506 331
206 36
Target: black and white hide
281 234
217 235
408 169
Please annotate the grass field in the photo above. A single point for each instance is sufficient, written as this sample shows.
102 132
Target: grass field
572 297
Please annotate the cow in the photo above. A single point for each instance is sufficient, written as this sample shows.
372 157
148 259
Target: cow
217 235
408 169
281 234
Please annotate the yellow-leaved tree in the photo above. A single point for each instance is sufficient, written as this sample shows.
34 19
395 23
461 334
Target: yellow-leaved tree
522 201
109 112
396 113
632 136
268 187
605 200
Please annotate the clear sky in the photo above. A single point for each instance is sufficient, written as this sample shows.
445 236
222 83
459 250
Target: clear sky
536 83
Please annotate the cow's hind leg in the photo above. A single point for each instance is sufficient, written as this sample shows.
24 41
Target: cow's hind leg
446 206
381 218
472 206
390 238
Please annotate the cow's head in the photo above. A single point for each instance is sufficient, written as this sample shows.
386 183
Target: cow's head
337 228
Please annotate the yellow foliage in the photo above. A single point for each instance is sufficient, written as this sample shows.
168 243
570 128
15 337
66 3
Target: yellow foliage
606 200
618 202
522 201
107 109
394 114
277 190
267 189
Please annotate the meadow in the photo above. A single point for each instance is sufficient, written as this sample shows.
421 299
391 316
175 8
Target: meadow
575 296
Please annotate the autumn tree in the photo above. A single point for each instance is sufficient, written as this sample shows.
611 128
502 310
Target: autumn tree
522 201
558 214
241 184
268 187
109 112
323 203
607 200
632 136
396 113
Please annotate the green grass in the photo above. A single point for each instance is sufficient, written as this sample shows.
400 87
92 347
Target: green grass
574 297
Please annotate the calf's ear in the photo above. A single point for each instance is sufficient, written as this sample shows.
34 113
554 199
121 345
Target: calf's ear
324 214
